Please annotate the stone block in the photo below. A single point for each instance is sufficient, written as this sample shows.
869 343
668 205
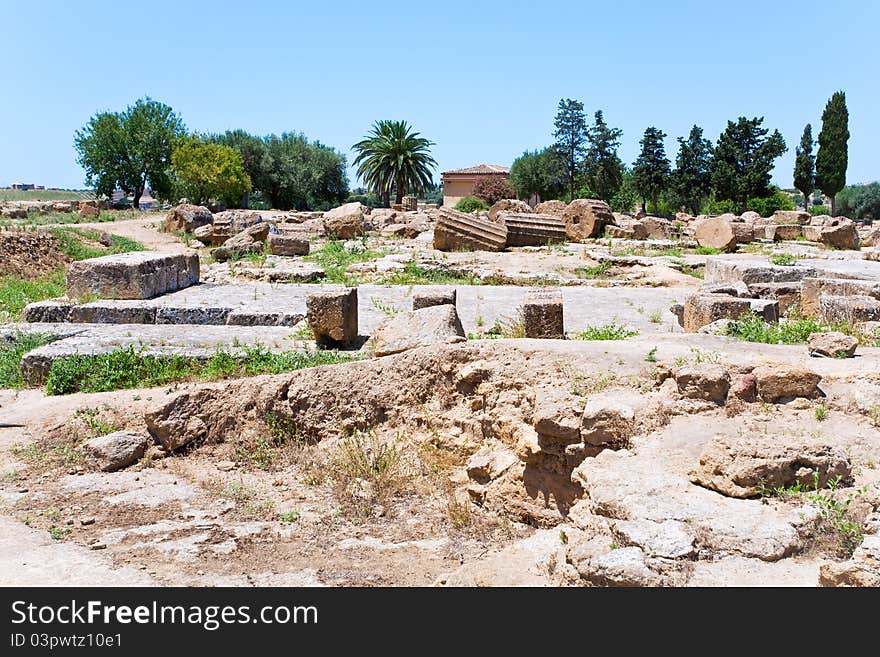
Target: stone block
287 245
333 315
703 309
135 275
542 314
434 296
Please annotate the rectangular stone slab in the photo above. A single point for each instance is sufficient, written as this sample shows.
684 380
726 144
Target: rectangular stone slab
135 275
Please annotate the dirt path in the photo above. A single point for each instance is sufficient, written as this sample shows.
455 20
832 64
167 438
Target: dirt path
145 230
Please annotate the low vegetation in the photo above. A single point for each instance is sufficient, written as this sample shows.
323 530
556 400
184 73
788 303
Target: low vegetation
367 472
335 258
10 357
131 368
783 259
16 293
415 274
607 332
794 330
82 244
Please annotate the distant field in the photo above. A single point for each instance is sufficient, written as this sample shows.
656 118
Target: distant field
41 195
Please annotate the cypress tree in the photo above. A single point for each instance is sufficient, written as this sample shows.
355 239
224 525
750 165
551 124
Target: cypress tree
805 165
831 160
651 170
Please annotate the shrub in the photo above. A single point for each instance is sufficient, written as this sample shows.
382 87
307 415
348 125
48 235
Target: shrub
491 190
471 204
816 210
766 206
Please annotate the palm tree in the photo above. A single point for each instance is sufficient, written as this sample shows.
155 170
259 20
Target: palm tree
392 157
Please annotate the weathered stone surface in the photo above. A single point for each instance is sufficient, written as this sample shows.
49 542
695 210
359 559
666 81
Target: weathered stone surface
173 425
779 381
744 388
841 287
47 311
14 213
112 312
766 309
743 231
716 233
507 205
780 232
659 228
798 217
838 233
258 318
287 245
669 539
732 289
703 309
851 310
746 465
230 223
556 208
832 344
490 463
863 569
606 420
333 315
627 485
400 230
533 229
625 567
542 314
433 296
719 270
116 450
460 231
186 218
677 309
135 275
708 382
346 221
557 418
788 295
210 315
237 250
418 328
257 232
586 218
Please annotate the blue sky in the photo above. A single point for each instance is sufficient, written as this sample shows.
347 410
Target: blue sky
481 79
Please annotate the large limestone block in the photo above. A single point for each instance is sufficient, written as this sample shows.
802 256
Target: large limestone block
333 315
346 221
135 275
418 328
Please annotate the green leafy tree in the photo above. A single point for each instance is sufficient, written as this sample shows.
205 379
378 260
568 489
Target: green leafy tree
805 165
253 153
743 160
604 169
571 138
860 201
651 169
209 172
130 150
302 175
831 160
393 158
691 179
538 174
